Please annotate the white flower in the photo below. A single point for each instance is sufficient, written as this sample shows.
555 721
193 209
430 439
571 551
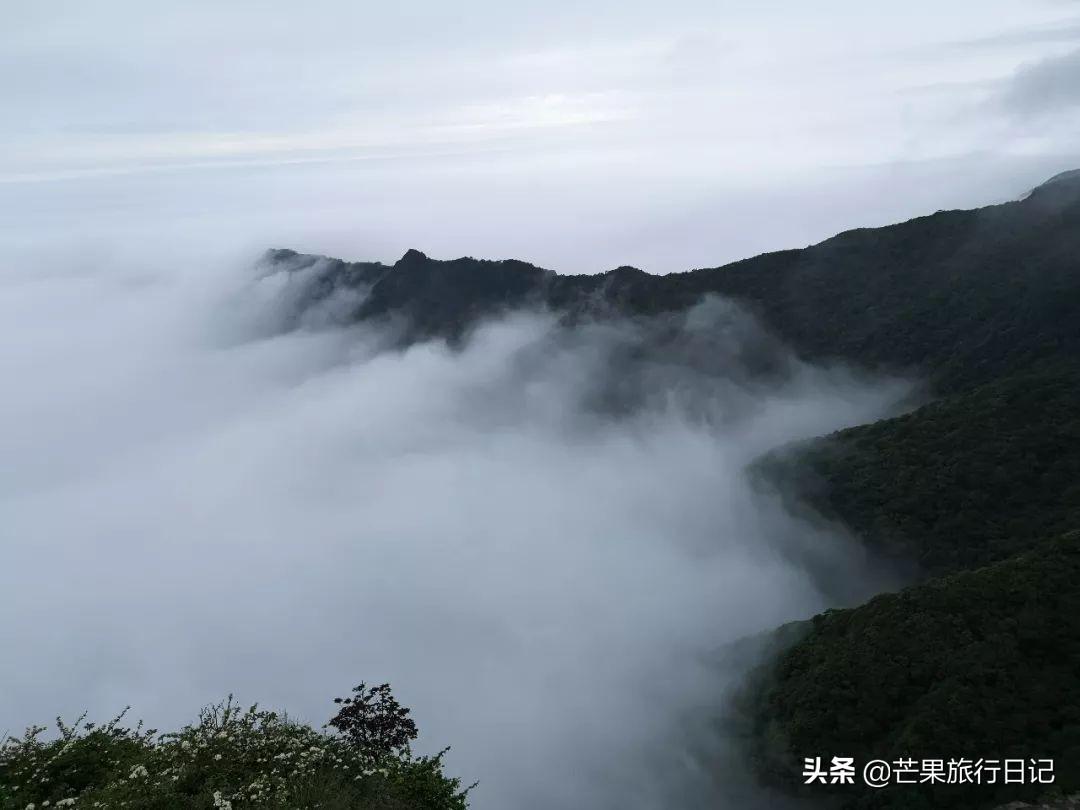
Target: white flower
185 745
217 756
65 802
138 772
31 806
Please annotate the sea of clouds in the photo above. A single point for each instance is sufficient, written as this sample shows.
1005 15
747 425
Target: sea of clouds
540 539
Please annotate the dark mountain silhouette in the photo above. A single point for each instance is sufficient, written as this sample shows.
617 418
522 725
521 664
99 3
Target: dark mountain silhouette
961 296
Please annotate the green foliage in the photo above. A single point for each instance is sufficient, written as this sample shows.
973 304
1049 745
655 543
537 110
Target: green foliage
965 481
230 758
979 664
973 664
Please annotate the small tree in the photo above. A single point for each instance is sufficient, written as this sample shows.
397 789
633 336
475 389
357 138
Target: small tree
374 721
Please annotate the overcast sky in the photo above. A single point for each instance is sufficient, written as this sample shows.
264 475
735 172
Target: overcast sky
575 135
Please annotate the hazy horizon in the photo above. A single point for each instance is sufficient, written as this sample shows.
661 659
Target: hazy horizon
579 138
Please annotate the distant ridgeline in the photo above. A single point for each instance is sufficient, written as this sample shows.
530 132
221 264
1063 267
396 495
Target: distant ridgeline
980 488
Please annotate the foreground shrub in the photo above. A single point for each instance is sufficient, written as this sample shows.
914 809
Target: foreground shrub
231 758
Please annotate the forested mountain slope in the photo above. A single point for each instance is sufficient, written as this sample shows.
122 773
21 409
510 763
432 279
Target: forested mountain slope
963 481
982 664
980 487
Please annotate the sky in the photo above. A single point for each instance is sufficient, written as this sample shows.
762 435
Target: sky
196 500
579 136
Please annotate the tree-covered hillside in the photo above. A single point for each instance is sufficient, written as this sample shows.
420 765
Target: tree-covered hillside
963 481
232 757
981 664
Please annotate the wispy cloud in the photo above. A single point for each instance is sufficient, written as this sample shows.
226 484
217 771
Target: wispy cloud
575 115
1060 31
1046 87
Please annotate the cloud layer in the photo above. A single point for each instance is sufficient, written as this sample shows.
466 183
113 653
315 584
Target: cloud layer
191 510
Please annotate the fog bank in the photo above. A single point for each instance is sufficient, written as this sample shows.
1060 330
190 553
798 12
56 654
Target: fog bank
538 539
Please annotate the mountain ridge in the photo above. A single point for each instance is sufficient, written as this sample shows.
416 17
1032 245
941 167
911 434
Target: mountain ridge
960 296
